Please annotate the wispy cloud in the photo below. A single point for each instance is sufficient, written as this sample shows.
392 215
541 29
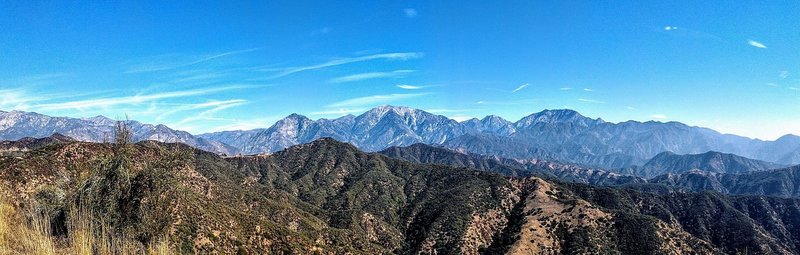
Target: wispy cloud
565 88
373 100
176 108
225 54
245 124
17 99
658 116
135 99
23 98
35 80
207 115
588 90
372 75
410 12
591 101
164 63
771 84
520 88
794 88
200 78
338 112
510 102
756 44
784 74
411 87
690 33
336 62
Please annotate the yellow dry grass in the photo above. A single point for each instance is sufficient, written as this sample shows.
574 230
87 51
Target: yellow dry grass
18 237
31 235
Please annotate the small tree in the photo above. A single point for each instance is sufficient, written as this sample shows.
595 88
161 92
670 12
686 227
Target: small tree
107 193
123 136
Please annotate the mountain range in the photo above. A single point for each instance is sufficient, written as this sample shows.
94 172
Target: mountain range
16 125
562 135
710 171
554 135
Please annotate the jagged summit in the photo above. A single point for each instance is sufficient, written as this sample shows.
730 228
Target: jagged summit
545 116
296 116
401 110
557 116
100 119
494 119
381 111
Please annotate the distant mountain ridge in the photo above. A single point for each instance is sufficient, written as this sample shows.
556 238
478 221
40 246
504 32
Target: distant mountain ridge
784 182
562 135
16 125
374 130
30 143
556 135
741 177
427 154
712 161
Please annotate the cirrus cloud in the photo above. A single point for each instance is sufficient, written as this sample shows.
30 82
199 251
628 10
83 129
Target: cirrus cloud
756 44
371 75
401 56
373 100
520 87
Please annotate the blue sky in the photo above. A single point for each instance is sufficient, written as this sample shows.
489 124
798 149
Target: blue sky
729 65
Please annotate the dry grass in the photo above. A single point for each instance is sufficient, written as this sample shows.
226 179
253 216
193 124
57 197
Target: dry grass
31 235
19 237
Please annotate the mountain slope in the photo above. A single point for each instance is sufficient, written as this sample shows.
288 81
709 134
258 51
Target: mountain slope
422 153
415 208
329 197
192 198
491 124
785 150
746 224
715 162
28 143
784 182
16 125
323 197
